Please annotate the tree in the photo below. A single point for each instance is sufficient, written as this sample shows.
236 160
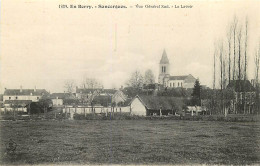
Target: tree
257 67
196 98
136 80
91 83
149 77
69 86
229 38
246 40
239 39
234 26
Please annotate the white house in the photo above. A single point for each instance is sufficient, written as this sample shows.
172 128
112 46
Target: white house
22 97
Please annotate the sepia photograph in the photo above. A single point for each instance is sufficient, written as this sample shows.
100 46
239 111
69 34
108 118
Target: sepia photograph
129 82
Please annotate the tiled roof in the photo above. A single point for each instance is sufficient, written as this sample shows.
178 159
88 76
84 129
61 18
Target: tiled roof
178 77
183 77
164 59
108 91
25 92
62 96
161 102
241 86
19 102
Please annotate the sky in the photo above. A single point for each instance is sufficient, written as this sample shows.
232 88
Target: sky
42 45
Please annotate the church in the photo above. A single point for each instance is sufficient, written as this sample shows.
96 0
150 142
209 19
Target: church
165 79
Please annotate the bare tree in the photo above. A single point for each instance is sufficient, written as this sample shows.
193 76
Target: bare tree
214 66
69 86
257 67
91 83
149 77
239 39
246 40
229 39
234 26
136 80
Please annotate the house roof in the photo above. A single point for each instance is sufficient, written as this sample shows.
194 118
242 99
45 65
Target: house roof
25 92
164 59
160 102
241 86
19 102
108 91
62 96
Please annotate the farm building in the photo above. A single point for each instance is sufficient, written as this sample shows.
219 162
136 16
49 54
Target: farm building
155 105
60 99
19 98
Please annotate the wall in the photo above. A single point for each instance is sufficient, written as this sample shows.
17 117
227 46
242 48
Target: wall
11 109
29 97
57 102
88 110
137 108
175 82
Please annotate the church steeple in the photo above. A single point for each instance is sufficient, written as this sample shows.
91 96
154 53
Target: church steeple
164 68
164 59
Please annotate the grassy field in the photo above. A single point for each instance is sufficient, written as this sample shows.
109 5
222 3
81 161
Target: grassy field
131 142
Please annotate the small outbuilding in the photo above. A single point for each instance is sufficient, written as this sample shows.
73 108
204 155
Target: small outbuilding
155 105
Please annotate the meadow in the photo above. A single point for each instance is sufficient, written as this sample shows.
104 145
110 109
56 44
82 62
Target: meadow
130 142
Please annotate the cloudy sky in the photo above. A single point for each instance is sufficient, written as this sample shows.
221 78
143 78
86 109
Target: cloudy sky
43 46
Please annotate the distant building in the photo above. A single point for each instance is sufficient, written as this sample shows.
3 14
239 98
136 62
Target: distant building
155 105
165 79
22 97
245 93
119 98
59 99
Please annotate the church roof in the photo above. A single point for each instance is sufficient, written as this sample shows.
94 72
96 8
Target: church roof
164 58
178 77
183 77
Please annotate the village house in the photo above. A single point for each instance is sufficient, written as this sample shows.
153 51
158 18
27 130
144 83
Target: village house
155 105
245 94
165 79
119 98
22 97
59 99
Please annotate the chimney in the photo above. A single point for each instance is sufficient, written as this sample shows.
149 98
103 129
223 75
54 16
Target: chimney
21 89
34 88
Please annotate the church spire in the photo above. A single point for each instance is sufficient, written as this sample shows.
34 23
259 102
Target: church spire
164 59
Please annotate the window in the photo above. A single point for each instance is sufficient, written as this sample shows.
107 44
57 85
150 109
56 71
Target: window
16 97
162 69
178 84
9 98
181 84
37 98
173 84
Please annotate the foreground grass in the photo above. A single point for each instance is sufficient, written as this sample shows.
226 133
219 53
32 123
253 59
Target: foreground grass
131 142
